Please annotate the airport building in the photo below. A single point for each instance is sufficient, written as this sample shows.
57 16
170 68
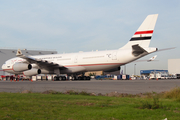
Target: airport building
6 54
174 66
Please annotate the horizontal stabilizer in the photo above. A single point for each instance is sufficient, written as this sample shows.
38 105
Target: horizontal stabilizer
137 50
165 49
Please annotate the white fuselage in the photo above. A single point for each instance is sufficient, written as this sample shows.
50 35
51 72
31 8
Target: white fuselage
82 61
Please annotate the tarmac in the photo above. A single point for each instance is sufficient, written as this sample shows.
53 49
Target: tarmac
92 86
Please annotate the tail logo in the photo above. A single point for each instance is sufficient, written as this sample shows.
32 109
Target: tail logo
142 35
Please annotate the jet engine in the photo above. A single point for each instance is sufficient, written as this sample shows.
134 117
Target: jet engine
19 67
32 72
43 71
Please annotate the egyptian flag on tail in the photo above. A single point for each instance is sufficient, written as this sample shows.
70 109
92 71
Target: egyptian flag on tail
142 35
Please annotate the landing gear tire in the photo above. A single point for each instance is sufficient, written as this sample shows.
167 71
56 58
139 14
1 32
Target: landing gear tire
88 78
79 78
63 78
56 78
74 78
84 78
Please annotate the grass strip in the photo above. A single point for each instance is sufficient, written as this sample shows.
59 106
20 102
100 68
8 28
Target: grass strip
84 106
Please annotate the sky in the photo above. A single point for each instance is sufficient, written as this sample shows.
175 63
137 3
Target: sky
69 26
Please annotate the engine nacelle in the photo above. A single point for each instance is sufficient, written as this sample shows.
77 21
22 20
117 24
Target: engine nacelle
43 71
19 67
32 72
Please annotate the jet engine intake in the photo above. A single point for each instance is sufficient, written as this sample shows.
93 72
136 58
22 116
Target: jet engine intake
19 67
32 72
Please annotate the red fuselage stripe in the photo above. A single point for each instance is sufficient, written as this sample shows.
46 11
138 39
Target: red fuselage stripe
92 64
143 32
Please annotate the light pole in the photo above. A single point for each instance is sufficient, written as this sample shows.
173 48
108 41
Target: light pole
125 69
134 69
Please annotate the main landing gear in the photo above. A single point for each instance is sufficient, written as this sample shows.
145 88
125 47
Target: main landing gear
81 78
77 76
61 78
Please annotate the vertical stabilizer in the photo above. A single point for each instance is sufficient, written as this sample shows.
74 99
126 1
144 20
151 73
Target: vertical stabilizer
143 35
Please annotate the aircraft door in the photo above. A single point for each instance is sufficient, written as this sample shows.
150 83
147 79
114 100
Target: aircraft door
76 59
114 56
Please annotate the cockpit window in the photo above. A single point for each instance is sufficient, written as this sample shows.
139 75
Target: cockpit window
8 62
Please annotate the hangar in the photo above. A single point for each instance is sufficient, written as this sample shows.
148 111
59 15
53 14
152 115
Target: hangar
6 54
147 72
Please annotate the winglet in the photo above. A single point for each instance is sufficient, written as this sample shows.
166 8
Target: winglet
19 53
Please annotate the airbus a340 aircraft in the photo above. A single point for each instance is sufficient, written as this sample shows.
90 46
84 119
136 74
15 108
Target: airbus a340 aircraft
76 63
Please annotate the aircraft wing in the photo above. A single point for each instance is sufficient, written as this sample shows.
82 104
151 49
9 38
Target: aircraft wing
41 63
